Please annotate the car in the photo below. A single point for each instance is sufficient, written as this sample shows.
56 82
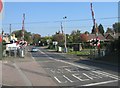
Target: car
34 49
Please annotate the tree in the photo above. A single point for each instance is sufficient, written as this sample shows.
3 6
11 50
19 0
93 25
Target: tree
69 38
101 29
93 30
18 34
86 32
46 40
109 30
76 36
59 38
36 38
116 27
84 37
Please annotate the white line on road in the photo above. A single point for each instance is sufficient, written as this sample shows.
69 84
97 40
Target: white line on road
57 79
93 84
84 67
74 75
67 78
88 76
107 74
27 82
33 58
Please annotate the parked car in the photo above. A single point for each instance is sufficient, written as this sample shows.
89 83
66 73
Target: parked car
34 49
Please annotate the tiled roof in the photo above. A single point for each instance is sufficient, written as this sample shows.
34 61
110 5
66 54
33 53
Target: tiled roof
93 36
115 36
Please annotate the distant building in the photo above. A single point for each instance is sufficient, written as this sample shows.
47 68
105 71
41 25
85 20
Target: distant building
93 36
5 37
13 37
112 36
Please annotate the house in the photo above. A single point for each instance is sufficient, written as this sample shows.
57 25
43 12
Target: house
93 36
5 37
112 36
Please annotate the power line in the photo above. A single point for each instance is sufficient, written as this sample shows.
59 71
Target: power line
40 22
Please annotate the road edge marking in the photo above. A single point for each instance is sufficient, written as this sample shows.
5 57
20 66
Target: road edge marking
93 84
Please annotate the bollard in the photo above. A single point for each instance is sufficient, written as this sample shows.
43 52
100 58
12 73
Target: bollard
15 53
22 53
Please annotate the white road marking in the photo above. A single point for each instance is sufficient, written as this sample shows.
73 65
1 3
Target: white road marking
27 82
74 75
68 70
93 84
95 76
83 67
102 72
53 71
87 68
57 79
67 78
88 76
63 66
45 61
107 74
5 85
33 58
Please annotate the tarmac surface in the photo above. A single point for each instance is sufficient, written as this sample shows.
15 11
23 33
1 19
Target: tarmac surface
49 68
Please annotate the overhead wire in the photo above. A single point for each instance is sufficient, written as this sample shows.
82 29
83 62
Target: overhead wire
41 22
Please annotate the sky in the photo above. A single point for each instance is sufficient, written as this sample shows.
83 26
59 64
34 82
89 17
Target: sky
45 18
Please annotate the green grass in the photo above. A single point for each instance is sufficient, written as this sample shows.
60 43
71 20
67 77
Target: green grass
79 52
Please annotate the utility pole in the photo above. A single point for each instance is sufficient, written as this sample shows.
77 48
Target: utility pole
65 50
61 27
10 31
23 28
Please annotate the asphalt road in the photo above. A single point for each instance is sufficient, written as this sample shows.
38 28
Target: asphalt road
65 71
48 68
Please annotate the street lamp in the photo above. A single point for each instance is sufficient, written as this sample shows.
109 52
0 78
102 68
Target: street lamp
65 49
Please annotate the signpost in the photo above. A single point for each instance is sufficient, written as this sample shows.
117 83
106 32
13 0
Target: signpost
96 44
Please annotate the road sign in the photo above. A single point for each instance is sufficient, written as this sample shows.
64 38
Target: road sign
95 42
23 43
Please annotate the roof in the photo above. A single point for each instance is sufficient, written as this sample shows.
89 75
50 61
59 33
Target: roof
93 36
113 35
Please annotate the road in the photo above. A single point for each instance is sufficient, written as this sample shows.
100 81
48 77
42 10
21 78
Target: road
46 68
68 72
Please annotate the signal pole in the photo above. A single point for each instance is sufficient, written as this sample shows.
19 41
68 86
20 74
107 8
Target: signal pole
94 21
95 27
23 28
22 37
10 31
